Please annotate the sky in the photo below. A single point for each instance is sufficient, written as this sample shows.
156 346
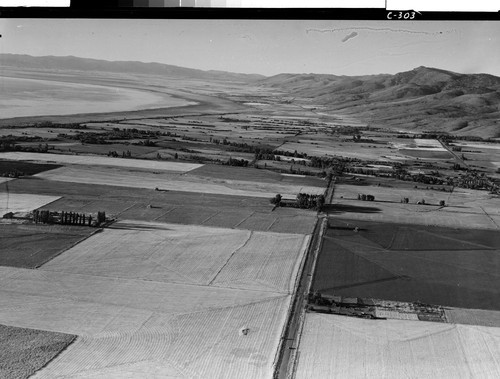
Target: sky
266 47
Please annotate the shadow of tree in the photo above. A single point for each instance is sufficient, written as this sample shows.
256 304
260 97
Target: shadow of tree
347 208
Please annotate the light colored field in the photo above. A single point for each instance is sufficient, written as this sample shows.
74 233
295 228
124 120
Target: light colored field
458 197
477 145
21 202
161 300
420 144
464 208
347 347
333 147
187 254
101 161
416 214
180 331
175 183
4 179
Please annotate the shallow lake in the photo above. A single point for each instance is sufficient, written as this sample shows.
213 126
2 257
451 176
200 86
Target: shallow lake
34 97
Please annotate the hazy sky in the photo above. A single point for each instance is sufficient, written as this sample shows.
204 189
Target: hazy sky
267 46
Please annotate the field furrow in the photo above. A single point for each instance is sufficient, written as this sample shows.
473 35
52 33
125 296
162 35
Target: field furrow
337 346
266 262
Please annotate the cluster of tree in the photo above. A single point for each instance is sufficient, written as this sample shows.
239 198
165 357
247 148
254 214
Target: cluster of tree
363 197
271 154
307 201
73 218
401 174
9 143
335 164
474 180
237 162
68 218
50 124
14 173
146 142
303 201
101 138
43 216
114 154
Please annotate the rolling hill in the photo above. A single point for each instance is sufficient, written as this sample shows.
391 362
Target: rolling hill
71 63
423 99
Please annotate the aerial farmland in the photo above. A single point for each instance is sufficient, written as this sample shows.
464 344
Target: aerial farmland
159 221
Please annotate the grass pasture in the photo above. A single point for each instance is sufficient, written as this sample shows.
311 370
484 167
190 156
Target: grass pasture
338 347
29 246
435 265
25 351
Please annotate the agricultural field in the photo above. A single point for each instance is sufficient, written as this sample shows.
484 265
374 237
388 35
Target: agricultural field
166 182
480 155
24 168
187 254
335 347
434 265
30 246
194 275
422 148
25 351
477 209
240 212
100 161
161 299
21 202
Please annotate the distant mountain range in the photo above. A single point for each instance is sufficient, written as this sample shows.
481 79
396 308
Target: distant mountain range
97 65
423 99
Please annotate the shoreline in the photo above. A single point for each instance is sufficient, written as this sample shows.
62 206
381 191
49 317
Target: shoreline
203 103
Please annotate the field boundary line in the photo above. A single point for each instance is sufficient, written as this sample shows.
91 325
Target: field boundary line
232 255
246 218
491 219
126 209
164 214
98 230
210 217
57 355
276 220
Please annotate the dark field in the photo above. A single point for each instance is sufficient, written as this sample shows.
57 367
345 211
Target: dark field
30 246
426 154
26 168
434 265
170 206
25 351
